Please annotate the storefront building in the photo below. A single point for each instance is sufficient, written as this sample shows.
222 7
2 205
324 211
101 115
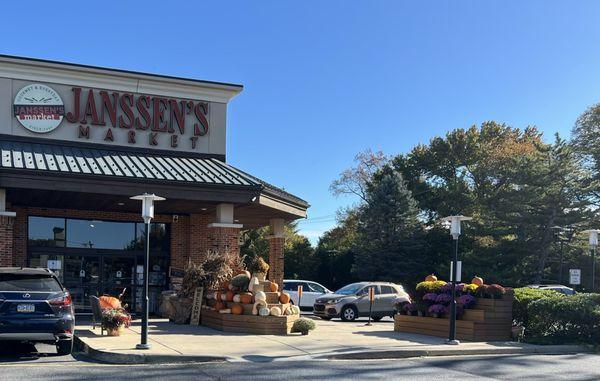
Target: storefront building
76 142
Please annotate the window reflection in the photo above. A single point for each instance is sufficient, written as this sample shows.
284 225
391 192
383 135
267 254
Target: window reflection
46 232
159 239
95 234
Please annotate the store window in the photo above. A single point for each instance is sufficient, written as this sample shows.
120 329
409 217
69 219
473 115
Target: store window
95 234
159 237
46 232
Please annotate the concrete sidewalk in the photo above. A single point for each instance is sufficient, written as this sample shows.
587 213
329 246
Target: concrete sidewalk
331 340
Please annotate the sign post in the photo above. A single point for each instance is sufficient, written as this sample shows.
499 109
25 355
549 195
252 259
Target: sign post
371 298
300 297
575 277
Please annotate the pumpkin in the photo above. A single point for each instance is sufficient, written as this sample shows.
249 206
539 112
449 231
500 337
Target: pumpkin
109 302
264 311
274 287
260 296
246 298
224 297
237 298
237 309
229 296
477 280
295 310
218 295
284 298
225 311
430 278
219 306
275 311
253 282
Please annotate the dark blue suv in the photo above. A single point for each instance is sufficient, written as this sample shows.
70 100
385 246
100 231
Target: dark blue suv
35 307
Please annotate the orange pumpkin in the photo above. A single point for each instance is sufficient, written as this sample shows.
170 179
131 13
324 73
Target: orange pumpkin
284 298
109 302
430 278
218 296
237 309
219 306
246 298
274 287
477 280
229 296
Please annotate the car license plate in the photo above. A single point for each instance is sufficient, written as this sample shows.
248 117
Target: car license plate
25 308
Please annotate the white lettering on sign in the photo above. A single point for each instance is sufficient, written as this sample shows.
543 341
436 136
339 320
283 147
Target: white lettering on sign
575 276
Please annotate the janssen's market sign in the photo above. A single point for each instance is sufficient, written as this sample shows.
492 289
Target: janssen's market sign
160 121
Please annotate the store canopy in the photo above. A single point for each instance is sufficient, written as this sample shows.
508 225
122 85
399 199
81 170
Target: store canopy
96 169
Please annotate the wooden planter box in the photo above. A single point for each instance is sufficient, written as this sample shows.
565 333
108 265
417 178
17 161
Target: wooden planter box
490 320
261 325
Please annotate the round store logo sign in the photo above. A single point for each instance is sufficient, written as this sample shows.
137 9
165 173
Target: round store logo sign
39 108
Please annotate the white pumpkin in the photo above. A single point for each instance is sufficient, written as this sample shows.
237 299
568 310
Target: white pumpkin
224 297
237 298
276 311
295 310
258 305
253 282
225 311
264 311
260 295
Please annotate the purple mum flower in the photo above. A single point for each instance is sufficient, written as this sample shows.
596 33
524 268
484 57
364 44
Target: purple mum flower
467 301
430 297
443 299
437 309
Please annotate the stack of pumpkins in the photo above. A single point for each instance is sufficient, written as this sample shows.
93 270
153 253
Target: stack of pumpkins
247 295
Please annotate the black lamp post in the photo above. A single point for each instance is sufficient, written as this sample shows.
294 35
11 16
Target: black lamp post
147 215
455 232
562 234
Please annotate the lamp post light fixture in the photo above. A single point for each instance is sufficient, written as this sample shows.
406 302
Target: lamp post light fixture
593 235
454 222
147 215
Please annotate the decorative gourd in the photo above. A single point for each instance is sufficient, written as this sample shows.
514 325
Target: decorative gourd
218 295
246 298
284 298
295 310
431 278
264 311
223 297
257 306
253 282
274 287
275 311
225 311
260 296
219 306
244 272
237 298
109 302
477 280
229 296
241 281
237 309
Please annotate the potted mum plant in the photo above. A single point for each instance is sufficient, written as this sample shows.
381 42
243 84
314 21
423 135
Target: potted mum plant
114 320
437 310
258 268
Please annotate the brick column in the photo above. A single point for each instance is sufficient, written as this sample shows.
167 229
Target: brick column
6 239
224 240
276 270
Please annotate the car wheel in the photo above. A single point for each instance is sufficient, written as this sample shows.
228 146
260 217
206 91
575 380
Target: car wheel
377 318
64 347
349 313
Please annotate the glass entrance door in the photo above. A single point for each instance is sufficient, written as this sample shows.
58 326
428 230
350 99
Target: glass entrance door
118 277
81 277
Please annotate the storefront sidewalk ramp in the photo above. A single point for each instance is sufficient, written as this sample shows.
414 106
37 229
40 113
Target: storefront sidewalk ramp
171 343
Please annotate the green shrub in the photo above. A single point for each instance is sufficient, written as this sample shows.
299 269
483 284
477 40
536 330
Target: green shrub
523 297
564 320
303 326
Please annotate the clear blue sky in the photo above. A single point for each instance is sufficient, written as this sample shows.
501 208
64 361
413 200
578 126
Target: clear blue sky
326 79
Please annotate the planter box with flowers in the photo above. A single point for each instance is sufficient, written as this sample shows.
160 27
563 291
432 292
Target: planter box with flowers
115 320
484 311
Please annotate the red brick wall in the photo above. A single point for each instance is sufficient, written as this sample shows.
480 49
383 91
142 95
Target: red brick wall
6 240
276 248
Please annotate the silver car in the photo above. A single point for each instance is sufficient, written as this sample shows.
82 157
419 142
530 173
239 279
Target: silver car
352 301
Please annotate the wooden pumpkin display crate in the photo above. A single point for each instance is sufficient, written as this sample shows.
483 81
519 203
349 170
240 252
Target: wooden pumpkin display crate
490 320
247 322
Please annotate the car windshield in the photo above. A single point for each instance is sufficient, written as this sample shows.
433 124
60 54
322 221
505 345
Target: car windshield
22 282
350 289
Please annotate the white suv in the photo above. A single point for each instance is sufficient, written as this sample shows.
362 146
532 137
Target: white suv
310 292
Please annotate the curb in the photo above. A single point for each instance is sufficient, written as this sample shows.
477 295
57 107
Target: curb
129 358
410 353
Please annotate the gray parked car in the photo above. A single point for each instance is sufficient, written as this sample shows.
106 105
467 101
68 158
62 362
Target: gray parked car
352 301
